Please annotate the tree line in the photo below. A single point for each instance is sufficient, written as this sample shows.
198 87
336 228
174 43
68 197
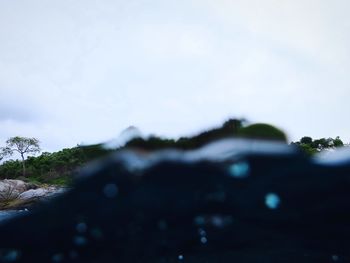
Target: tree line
312 146
58 167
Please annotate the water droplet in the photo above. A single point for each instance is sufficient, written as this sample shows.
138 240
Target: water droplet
272 201
81 227
204 240
335 257
221 221
57 257
11 255
110 190
239 170
79 241
180 257
202 232
216 220
199 220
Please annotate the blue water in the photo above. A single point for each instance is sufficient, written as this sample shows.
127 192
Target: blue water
4 215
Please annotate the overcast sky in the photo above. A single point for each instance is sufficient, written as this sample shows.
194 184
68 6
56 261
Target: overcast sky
74 71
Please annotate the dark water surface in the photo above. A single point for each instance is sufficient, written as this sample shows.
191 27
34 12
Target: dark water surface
231 201
9 214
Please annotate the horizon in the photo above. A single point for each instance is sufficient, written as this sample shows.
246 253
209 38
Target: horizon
83 72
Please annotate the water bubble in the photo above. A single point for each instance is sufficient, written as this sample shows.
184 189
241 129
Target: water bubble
272 201
202 232
199 220
221 221
79 241
180 257
110 190
81 227
204 240
57 257
239 170
335 257
11 255
216 220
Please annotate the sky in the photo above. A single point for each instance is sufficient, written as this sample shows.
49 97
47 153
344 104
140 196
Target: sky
81 71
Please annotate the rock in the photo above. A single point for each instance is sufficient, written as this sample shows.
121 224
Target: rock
40 193
19 185
10 189
17 194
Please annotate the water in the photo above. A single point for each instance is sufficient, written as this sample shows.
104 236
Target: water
237 201
4 215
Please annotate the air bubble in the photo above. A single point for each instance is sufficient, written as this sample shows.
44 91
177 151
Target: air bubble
110 190
221 221
335 257
180 257
202 232
79 241
10 255
81 227
204 240
199 220
239 170
272 201
57 257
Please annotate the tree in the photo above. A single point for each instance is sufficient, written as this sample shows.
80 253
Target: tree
338 142
306 140
310 146
262 131
23 146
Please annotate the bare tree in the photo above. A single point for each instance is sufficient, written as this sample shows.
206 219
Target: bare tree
23 146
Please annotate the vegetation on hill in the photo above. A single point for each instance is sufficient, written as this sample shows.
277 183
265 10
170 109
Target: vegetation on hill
58 167
262 131
52 168
228 130
311 146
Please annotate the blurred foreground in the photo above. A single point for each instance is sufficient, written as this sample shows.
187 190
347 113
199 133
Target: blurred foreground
232 200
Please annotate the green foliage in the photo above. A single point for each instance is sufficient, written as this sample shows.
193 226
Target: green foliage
52 168
311 146
338 142
306 140
150 144
227 130
91 152
10 169
58 167
21 145
262 131
308 149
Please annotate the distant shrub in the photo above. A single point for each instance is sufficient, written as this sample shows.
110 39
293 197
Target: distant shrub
311 146
262 131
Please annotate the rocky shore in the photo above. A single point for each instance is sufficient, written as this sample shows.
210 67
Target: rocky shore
17 194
